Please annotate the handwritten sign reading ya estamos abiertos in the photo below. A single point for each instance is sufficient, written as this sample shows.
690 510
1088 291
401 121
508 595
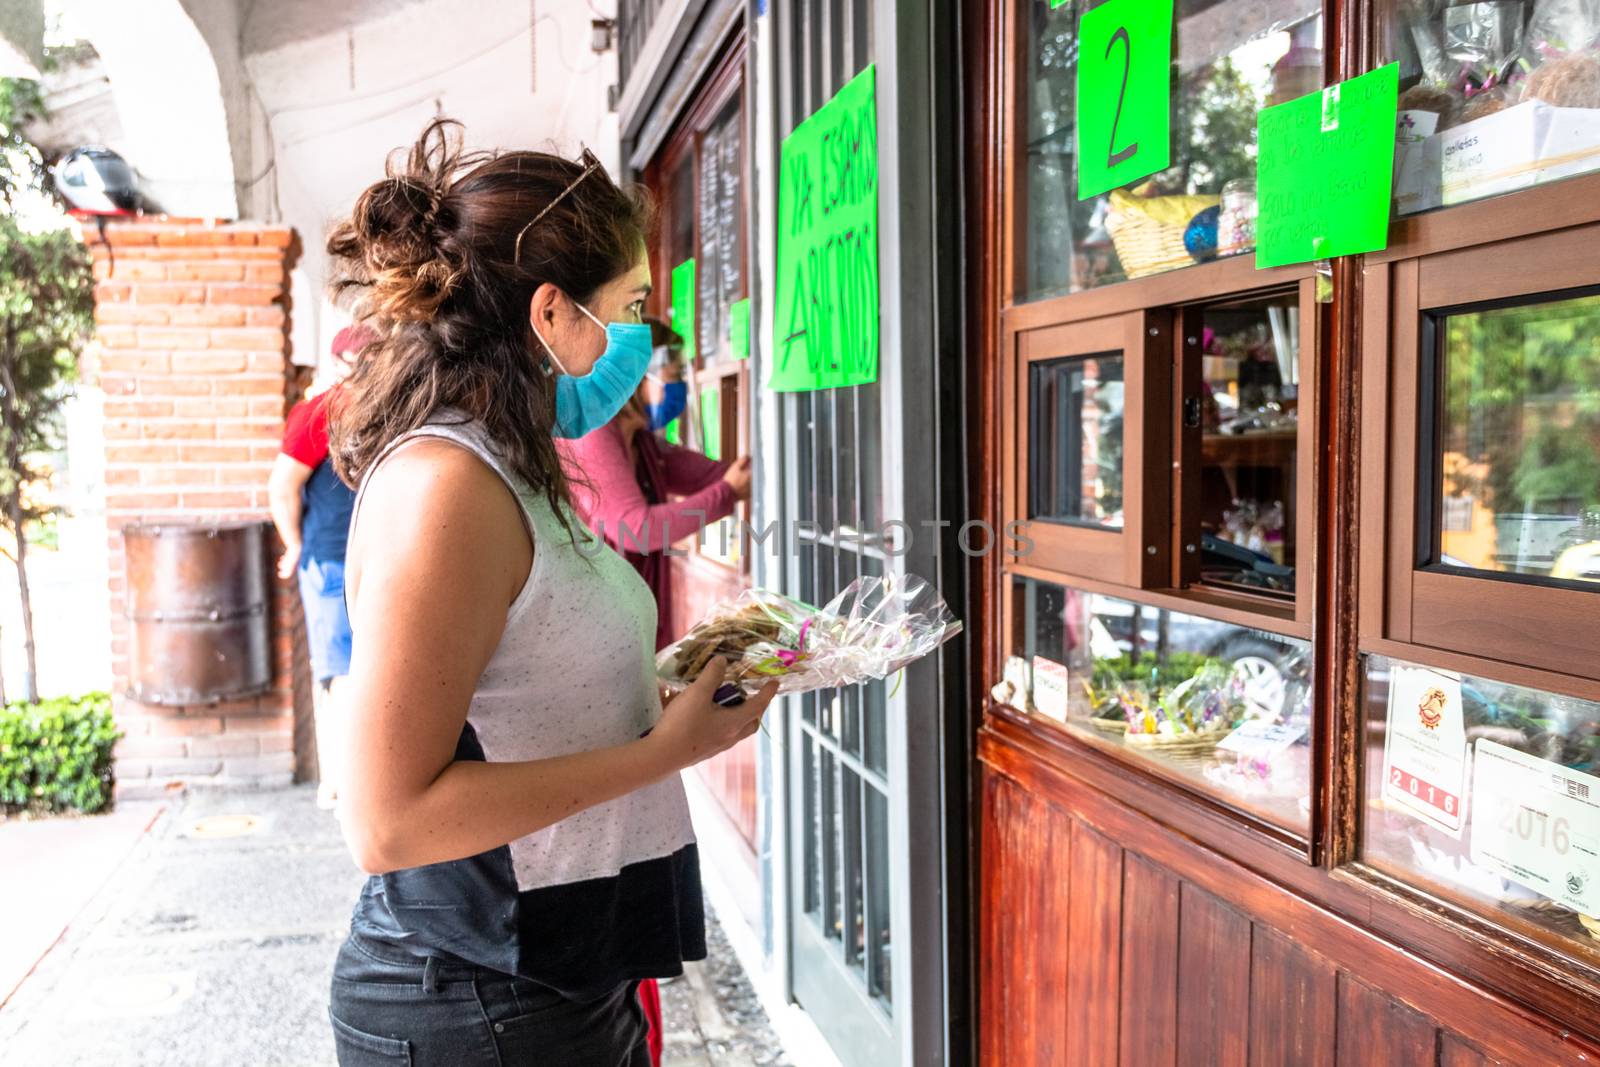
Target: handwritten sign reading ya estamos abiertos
827 283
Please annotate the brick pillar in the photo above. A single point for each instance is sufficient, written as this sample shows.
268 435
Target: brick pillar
192 322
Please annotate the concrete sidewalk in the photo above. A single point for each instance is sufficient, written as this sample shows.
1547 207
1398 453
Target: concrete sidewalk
212 944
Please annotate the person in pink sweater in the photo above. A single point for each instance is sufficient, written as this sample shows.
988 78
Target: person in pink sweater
642 494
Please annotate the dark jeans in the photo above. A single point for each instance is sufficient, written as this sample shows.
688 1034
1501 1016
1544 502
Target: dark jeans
391 1008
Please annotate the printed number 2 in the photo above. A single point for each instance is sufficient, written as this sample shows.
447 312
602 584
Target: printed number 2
1114 157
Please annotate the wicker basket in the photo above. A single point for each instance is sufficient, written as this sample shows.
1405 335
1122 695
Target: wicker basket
1114 727
1148 230
1177 746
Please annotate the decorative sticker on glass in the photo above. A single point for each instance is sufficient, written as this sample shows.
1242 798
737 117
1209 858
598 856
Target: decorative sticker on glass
1425 747
1537 823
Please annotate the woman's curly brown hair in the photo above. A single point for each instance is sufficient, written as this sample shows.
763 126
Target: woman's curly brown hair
431 256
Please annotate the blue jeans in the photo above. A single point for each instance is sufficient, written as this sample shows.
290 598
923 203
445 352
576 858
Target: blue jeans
390 1007
327 622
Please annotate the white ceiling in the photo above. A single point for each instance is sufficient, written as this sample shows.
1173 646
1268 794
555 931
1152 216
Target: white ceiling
288 108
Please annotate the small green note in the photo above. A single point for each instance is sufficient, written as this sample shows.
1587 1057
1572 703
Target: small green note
673 432
739 328
683 305
1124 99
1326 171
711 421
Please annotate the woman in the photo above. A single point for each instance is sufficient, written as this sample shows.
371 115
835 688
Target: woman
623 473
511 783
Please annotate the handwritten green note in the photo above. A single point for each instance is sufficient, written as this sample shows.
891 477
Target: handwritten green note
711 421
1124 98
683 306
1326 170
739 328
827 281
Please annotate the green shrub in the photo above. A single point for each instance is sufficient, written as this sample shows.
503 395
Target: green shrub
55 756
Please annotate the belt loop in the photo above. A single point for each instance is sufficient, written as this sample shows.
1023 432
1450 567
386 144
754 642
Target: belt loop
430 976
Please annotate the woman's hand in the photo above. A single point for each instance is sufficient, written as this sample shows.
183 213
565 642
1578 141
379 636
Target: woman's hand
738 476
289 561
694 727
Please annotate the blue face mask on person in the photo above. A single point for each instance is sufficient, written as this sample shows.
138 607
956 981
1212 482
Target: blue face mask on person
584 403
674 398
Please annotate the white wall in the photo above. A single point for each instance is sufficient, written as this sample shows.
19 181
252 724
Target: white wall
170 96
336 103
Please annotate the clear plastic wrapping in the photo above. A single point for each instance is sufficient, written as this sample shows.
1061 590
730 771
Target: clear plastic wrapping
872 629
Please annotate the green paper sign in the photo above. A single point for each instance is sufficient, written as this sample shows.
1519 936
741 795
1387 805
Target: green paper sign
1124 98
827 281
683 306
673 432
1326 171
711 421
739 328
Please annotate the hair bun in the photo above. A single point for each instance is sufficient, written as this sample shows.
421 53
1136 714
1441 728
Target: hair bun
397 241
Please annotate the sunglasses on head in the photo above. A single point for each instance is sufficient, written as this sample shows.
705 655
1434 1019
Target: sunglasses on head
590 163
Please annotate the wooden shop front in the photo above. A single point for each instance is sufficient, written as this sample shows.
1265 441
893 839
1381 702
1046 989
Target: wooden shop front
1290 751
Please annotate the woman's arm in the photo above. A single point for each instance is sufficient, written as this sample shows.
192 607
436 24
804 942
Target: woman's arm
614 504
437 556
687 471
288 477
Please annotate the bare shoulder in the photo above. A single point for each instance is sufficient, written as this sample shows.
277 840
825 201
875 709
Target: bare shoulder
435 507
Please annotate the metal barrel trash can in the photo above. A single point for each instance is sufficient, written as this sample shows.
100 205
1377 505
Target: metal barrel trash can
197 610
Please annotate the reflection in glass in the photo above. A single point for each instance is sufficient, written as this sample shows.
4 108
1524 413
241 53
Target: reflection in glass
1232 58
1224 708
1494 97
1075 409
1248 419
1534 856
880 954
1519 440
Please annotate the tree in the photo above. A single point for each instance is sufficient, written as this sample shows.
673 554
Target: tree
46 314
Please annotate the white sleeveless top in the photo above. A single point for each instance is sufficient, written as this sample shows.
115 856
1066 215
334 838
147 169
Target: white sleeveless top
574 671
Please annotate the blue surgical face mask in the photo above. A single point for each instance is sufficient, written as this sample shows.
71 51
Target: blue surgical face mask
674 398
584 403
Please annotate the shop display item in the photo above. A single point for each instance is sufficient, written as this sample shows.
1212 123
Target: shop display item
1516 88
872 629
1148 230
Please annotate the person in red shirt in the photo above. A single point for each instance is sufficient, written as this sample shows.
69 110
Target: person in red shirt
311 509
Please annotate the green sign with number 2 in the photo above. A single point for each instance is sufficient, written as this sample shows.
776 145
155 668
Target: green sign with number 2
1124 93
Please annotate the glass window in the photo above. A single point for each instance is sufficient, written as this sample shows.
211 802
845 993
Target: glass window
1518 454
719 266
1075 440
1246 417
1486 792
1226 709
1494 97
1231 59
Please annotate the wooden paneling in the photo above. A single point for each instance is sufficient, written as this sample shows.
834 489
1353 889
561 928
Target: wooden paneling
1213 982
1028 876
1375 1028
1094 939
1454 1052
1149 1012
1105 941
1293 1003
